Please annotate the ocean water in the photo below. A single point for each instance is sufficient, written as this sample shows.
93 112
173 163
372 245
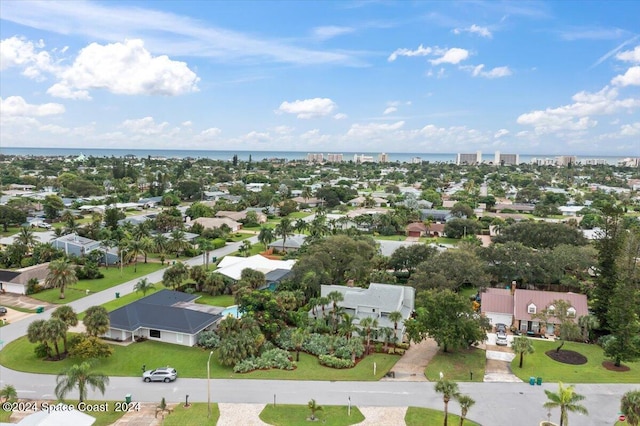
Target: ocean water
259 155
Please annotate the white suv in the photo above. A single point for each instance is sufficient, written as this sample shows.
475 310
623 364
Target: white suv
501 339
164 374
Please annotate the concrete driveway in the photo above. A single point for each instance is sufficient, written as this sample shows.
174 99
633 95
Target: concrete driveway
498 364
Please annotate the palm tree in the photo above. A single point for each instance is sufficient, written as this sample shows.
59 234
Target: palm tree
266 237
388 334
178 242
206 246
630 407
96 320
144 286
335 297
368 324
68 316
36 333
8 393
465 402
175 274
300 225
80 376
588 323
284 229
245 248
448 390
348 326
55 330
522 345
297 338
396 317
147 245
61 274
567 399
313 406
134 249
160 243
140 231
26 237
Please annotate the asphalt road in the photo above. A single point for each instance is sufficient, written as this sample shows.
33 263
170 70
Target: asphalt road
496 403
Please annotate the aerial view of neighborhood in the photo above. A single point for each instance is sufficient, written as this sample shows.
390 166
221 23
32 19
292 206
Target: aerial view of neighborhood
339 213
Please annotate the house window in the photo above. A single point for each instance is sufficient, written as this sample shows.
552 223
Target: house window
551 310
571 312
154 333
531 309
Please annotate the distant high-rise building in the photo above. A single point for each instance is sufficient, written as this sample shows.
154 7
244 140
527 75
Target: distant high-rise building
565 160
506 159
383 158
416 160
362 158
314 157
334 158
593 161
469 158
629 162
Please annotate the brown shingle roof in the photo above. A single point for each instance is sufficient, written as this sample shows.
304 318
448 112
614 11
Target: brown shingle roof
497 300
542 299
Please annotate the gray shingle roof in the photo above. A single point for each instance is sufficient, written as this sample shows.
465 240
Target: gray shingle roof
157 312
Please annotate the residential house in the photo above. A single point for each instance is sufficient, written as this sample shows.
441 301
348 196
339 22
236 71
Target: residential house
516 207
149 203
436 215
165 316
416 229
16 281
292 243
363 201
311 201
242 215
75 245
377 301
519 307
232 266
216 222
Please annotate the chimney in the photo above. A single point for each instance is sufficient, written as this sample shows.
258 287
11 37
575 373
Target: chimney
350 283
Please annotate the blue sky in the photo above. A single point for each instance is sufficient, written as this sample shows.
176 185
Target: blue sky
558 77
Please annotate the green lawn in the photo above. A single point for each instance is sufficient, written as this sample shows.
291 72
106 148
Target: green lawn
426 416
10 231
293 415
190 362
299 215
456 365
539 364
112 277
440 240
391 237
222 300
194 415
240 236
124 300
4 416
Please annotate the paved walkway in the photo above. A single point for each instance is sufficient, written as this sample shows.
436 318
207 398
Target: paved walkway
410 368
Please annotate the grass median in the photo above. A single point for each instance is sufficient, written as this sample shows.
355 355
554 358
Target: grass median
292 415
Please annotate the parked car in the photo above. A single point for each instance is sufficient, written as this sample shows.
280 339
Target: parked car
3 311
163 374
501 328
501 339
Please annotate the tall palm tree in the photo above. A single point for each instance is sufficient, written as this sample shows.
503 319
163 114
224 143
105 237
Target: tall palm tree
177 242
300 225
245 248
368 324
61 274
160 243
588 323
465 402
143 286
266 237
134 249
68 316
348 326
448 390
26 237
284 229
147 245
79 376
335 297
522 345
56 329
567 399
630 407
36 333
395 317
206 246
96 320
297 338
140 231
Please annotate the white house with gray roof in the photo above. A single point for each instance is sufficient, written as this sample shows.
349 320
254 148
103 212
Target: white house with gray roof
377 301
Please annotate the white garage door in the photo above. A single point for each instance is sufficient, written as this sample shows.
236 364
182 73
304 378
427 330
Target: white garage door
497 318
13 288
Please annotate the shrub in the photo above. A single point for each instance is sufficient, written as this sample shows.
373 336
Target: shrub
283 339
402 346
316 344
209 340
219 243
334 362
41 350
33 287
273 358
90 347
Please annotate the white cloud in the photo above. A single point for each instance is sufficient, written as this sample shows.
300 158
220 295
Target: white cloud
164 32
500 133
629 78
340 116
498 72
308 108
126 69
630 129
420 51
475 29
630 55
187 123
283 130
452 56
330 31
210 133
372 129
16 106
18 52
257 136
145 126
60 90
389 110
576 116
